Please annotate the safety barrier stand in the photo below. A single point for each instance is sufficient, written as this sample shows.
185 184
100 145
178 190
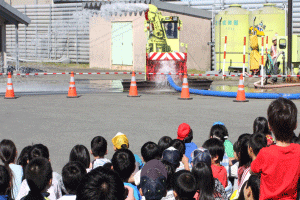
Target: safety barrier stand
224 56
262 62
244 56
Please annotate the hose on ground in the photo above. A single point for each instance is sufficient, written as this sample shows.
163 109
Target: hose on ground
234 94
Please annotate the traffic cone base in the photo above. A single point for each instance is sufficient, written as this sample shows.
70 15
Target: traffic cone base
240 96
240 100
185 98
72 89
185 92
73 96
133 96
10 97
10 94
133 92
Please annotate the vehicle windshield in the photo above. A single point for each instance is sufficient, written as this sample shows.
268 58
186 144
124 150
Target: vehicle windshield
171 30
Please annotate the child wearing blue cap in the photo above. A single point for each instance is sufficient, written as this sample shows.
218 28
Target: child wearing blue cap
219 131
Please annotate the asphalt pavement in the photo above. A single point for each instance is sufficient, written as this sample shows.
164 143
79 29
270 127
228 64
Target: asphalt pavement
60 123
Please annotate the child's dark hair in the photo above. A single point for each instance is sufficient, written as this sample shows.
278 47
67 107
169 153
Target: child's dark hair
124 146
72 174
80 154
244 158
184 184
236 147
8 152
123 163
282 117
108 165
38 150
205 180
101 183
241 195
219 131
260 125
150 151
99 146
4 181
254 184
179 145
215 148
23 157
38 174
171 169
189 138
295 140
164 143
257 141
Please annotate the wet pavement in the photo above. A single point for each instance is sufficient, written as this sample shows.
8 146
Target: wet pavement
59 84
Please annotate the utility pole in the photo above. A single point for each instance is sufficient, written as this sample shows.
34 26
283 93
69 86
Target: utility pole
290 32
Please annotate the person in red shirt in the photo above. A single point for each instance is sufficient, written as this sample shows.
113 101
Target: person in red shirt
216 150
279 164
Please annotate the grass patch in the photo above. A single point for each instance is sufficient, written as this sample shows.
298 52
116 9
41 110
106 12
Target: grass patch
67 65
195 71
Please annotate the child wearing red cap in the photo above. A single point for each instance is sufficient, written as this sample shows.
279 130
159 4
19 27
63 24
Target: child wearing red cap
185 133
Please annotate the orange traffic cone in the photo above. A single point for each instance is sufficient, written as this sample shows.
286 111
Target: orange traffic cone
133 88
10 94
241 97
185 93
72 89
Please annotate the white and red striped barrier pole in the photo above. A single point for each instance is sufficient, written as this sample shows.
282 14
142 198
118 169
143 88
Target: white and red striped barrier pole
224 55
267 45
262 61
244 57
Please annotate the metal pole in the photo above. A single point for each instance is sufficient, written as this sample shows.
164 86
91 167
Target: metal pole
290 31
2 48
220 22
25 35
262 62
76 41
244 57
49 39
285 19
36 43
50 33
68 45
17 46
213 33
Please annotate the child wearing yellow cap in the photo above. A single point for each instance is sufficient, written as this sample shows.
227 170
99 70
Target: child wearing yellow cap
120 141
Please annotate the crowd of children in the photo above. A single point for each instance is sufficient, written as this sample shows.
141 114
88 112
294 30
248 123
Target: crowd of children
257 166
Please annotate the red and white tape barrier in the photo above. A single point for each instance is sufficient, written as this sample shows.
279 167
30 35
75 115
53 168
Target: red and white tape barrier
142 73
